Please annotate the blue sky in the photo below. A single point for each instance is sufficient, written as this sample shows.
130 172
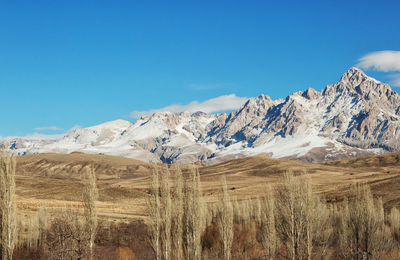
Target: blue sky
68 63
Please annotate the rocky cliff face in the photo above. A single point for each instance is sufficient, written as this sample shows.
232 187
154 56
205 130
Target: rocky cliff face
358 115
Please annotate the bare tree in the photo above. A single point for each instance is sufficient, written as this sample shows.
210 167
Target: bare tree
291 215
382 241
317 215
364 234
90 196
300 213
195 215
42 229
66 238
394 223
269 239
8 207
154 207
166 214
342 233
225 220
181 223
32 233
20 231
177 211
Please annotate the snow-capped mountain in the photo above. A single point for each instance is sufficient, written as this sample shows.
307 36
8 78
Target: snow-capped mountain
356 116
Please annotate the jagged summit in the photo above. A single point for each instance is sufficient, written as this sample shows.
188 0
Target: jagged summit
352 74
356 82
311 93
355 77
357 115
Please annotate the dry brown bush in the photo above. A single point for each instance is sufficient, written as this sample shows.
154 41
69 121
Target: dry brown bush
66 237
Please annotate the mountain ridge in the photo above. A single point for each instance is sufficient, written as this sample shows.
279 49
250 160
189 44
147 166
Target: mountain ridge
357 115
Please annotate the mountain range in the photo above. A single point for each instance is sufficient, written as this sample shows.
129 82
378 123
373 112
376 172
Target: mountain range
355 116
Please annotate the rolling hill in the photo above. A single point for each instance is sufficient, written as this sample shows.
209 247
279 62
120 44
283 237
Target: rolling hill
55 180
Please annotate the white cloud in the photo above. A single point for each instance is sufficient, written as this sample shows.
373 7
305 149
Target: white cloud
218 104
381 61
52 128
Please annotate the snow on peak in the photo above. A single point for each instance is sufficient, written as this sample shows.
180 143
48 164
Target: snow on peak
357 114
354 76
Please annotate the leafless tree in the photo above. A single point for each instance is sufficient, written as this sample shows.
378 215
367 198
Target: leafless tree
8 206
299 216
394 224
20 231
364 234
154 208
181 223
42 229
269 238
32 233
195 215
291 214
177 211
225 220
90 197
66 238
166 213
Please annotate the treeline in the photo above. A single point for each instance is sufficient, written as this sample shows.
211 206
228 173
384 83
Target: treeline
66 234
288 221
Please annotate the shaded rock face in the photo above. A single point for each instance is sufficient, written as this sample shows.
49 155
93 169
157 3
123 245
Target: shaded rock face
357 115
370 119
236 125
358 111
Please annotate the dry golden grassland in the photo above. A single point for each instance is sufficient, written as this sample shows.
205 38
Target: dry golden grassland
55 180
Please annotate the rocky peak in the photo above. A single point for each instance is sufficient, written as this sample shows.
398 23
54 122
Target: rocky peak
356 79
261 102
199 114
355 82
311 94
368 89
358 112
353 77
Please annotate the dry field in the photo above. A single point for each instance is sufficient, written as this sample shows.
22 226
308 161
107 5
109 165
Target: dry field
55 180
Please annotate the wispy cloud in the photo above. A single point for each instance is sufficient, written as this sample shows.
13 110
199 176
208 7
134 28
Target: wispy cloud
44 128
385 61
218 104
381 61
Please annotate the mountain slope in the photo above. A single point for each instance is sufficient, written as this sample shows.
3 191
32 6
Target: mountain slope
355 116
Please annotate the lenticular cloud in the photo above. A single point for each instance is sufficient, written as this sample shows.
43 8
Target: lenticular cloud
381 61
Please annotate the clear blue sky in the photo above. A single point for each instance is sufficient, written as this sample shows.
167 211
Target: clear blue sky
67 63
